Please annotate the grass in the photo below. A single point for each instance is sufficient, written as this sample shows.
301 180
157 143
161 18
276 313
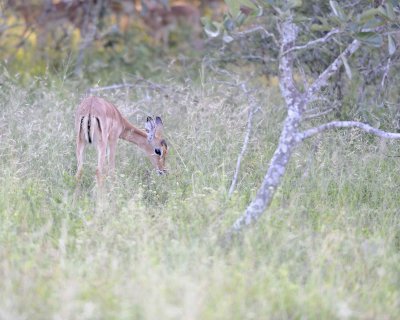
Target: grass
328 248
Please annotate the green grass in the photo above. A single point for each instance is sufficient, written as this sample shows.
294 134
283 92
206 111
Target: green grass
328 248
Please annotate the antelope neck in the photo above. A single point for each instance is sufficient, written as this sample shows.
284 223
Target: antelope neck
133 134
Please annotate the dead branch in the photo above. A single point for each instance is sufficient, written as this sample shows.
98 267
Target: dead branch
319 114
168 91
347 124
386 72
253 109
111 87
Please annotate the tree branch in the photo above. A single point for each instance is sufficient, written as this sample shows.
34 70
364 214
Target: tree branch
288 139
256 29
332 69
319 114
252 111
111 87
386 71
314 42
169 92
347 124
287 85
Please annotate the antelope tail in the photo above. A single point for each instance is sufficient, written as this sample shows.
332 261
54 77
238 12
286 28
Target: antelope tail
88 124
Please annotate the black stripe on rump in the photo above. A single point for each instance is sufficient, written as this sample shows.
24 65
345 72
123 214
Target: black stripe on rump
98 123
88 129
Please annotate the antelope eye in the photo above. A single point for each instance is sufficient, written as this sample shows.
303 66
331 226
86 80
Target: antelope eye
157 151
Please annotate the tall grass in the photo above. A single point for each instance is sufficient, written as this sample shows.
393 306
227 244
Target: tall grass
327 248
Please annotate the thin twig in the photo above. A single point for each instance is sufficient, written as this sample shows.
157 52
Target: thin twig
303 75
310 158
253 30
385 74
111 87
317 98
253 109
319 114
313 42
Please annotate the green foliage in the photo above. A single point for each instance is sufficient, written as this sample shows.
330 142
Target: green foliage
34 48
239 12
370 38
362 22
337 10
391 45
364 95
235 6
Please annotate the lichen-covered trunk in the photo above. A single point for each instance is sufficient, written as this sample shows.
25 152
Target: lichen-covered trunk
295 103
289 137
273 178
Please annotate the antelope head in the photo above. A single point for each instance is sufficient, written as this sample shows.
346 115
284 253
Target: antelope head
155 139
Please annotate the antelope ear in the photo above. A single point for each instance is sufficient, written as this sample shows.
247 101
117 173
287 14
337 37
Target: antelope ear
149 125
159 121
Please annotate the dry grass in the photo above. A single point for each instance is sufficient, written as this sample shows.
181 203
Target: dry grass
328 247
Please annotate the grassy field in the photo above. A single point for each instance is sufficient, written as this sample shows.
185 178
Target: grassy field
328 248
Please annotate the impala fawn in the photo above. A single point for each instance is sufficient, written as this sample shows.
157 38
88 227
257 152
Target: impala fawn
99 122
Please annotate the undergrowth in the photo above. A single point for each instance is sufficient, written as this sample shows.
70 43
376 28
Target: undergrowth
149 247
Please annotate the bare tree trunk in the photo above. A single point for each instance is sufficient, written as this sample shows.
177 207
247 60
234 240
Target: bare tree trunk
287 143
289 137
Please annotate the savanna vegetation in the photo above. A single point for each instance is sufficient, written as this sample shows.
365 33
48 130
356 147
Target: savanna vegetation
154 247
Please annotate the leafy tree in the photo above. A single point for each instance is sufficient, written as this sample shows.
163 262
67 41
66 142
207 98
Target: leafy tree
316 40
